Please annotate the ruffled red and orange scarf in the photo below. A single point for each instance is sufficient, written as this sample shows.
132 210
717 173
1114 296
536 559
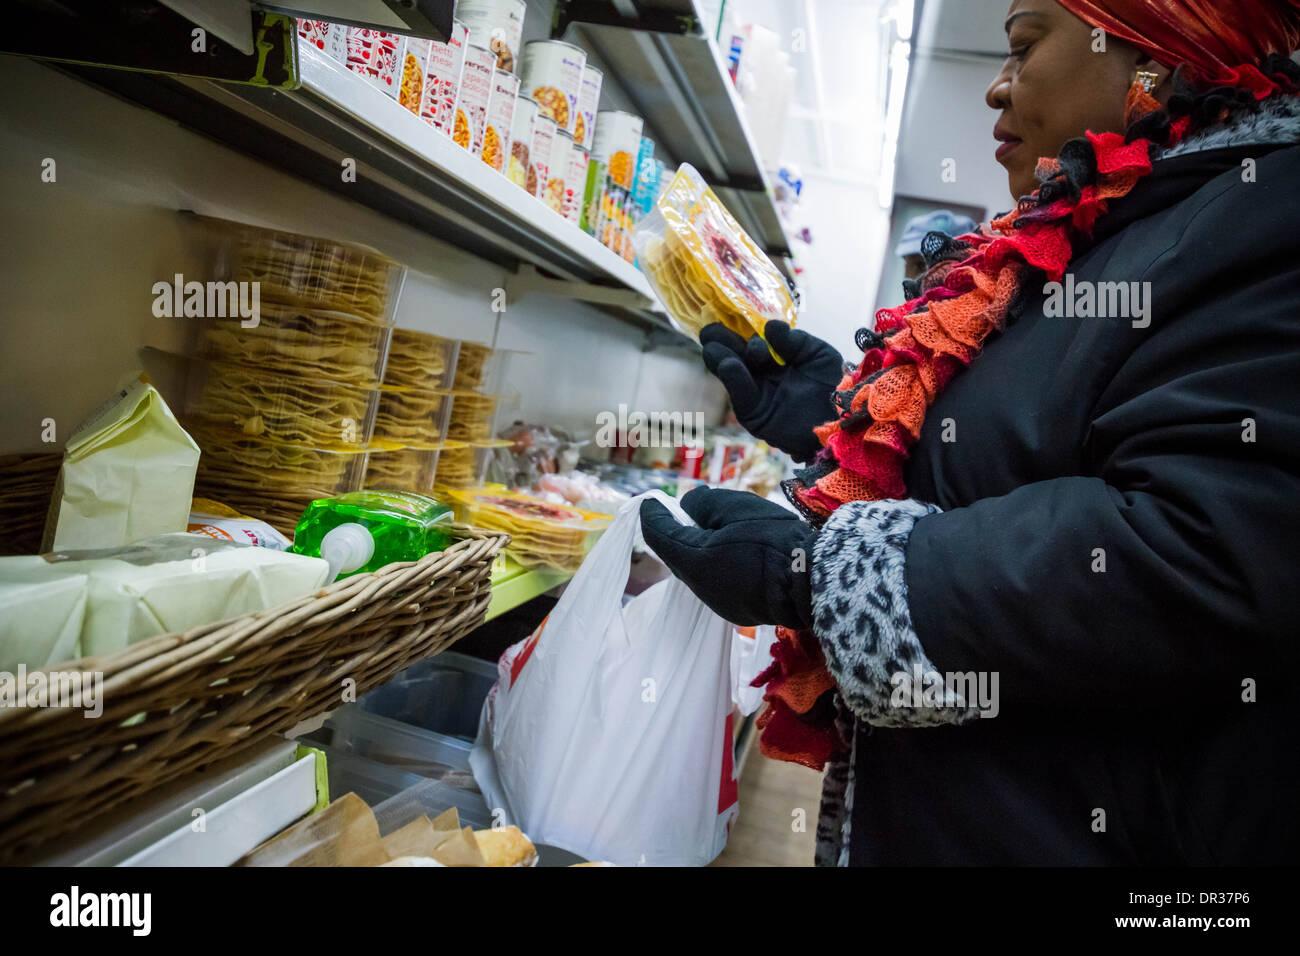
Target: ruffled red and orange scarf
918 347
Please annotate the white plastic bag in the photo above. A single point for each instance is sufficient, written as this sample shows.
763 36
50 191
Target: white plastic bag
610 731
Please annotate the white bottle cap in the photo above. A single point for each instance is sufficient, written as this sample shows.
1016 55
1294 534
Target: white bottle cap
348 547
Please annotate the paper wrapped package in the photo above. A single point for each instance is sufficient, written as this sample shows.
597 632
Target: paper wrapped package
166 584
42 619
128 474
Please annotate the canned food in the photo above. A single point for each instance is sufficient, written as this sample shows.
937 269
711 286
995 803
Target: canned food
497 25
617 145
521 170
415 64
445 72
475 91
575 184
561 152
643 183
588 106
377 56
495 146
552 72
545 133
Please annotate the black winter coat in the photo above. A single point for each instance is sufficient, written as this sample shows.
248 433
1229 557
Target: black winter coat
1120 690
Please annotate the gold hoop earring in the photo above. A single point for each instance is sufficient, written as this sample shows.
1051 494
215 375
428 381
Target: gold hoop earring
1147 79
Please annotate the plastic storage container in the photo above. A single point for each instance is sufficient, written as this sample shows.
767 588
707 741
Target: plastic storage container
483 369
543 535
303 342
444 695
419 360
411 418
406 469
474 417
280 407
704 267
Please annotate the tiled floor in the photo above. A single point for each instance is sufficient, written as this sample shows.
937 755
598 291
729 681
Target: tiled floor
766 834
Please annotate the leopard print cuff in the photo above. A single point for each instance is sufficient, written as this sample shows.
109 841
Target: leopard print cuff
861 617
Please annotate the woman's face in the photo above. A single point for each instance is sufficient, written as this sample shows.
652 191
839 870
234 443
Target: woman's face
1053 87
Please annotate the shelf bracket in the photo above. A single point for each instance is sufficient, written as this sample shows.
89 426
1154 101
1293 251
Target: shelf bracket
528 280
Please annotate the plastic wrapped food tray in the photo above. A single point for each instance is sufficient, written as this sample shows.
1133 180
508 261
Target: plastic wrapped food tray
543 535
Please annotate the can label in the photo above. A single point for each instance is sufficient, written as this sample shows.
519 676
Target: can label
521 170
575 185
545 134
497 25
552 73
561 151
500 115
415 64
475 91
445 71
617 145
377 56
584 133
644 183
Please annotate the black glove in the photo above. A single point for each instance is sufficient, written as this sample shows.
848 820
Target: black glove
781 404
749 560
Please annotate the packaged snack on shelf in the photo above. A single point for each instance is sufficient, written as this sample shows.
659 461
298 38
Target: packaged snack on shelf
542 535
297 341
645 186
280 407
411 418
225 524
456 466
473 416
475 91
403 469
259 468
497 25
420 360
495 147
305 271
484 369
552 74
617 144
588 107
561 153
522 130
378 56
574 183
415 73
545 133
367 530
703 265
445 71
330 38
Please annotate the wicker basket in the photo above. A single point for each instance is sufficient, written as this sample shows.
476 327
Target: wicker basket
177 702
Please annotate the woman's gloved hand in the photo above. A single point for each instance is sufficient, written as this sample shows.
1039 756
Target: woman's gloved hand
749 560
780 404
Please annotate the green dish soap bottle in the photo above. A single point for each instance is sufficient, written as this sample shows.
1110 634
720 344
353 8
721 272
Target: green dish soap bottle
365 530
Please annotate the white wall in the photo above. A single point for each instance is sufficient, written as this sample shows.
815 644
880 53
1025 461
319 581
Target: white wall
80 257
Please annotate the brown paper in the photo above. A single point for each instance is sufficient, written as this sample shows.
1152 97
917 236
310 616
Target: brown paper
417 838
343 834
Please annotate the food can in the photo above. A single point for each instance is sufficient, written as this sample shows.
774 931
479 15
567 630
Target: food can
475 91
415 66
552 72
575 184
330 38
588 106
377 56
521 170
643 181
497 25
561 152
495 147
545 133
617 145
446 68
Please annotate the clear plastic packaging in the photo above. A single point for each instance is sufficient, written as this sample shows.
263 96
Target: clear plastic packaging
543 535
483 369
403 469
280 407
420 360
411 418
298 341
704 267
398 527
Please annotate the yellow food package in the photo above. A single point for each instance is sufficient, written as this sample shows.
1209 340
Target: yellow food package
704 267
128 474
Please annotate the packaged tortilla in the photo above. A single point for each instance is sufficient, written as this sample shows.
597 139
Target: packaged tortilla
704 267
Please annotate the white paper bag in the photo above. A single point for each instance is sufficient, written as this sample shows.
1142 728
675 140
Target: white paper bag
610 731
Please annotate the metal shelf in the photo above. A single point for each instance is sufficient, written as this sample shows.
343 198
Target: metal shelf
405 169
671 71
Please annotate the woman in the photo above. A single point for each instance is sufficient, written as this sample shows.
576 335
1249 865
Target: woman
1048 610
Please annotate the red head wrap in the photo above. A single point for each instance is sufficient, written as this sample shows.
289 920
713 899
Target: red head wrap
1222 41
